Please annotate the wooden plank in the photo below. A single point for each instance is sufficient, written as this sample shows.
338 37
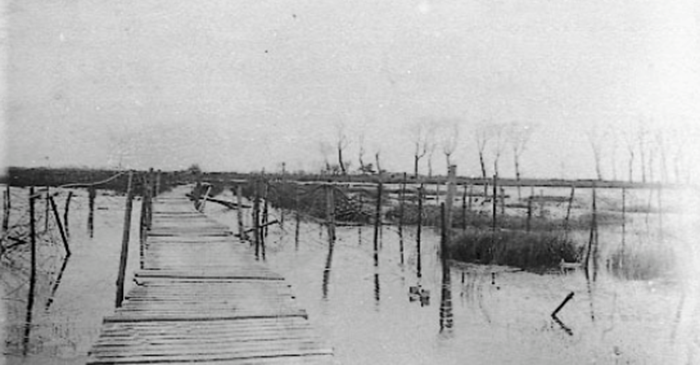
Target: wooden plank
202 298
209 275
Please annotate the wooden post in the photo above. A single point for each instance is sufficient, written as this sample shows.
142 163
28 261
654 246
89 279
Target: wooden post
125 242
443 232
256 218
91 205
464 208
451 177
624 209
239 214
568 211
60 226
418 229
529 213
7 206
297 216
330 212
402 197
541 203
266 188
494 219
377 220
66 211
503 200
563 303
46 211
32 273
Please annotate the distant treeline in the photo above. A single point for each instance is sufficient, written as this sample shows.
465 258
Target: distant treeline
396 178
19 176
115 180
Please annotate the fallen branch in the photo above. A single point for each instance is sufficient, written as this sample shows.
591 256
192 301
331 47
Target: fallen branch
225 203
563 303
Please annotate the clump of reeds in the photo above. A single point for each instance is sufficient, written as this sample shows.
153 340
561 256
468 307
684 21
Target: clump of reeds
532 251
642 263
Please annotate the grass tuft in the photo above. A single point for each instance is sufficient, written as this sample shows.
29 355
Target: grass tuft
532 251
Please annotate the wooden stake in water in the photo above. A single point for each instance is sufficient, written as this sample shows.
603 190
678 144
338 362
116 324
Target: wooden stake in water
330 212
7 206
568 212
125 242
266 188
529 214
464 208
418 230
66 211
624 209
297 216
256 219
377 220
46 211
494 219
60 226
449 200
239 214
402 196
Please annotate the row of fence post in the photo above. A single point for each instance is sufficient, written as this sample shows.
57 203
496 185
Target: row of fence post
151 187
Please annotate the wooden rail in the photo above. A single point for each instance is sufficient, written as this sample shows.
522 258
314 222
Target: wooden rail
201 297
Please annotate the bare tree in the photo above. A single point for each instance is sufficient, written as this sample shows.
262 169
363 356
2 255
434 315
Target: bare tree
342 143
643 141
325 150
630 145
498 132
361 151
421 144
596 139
482 137
431 151
449 142
519 136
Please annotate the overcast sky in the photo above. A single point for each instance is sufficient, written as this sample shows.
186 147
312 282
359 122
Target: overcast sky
246 85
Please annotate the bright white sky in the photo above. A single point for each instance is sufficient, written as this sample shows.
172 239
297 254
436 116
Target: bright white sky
245 85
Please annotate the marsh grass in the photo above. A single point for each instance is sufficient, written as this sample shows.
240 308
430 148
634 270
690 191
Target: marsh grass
532 251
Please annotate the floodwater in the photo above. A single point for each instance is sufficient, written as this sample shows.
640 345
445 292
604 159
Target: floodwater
475 314
362 306
71 296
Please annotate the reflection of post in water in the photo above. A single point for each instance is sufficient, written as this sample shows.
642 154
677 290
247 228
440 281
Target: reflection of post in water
418 229
91 205
446 321
57 282
32 274
327 270
563 326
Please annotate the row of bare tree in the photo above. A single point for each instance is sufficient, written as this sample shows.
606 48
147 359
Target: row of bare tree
652 153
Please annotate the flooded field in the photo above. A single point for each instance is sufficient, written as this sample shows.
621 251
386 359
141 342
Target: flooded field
363 304
72 295
481 314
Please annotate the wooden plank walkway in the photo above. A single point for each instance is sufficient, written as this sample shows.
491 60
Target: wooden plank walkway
203 298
